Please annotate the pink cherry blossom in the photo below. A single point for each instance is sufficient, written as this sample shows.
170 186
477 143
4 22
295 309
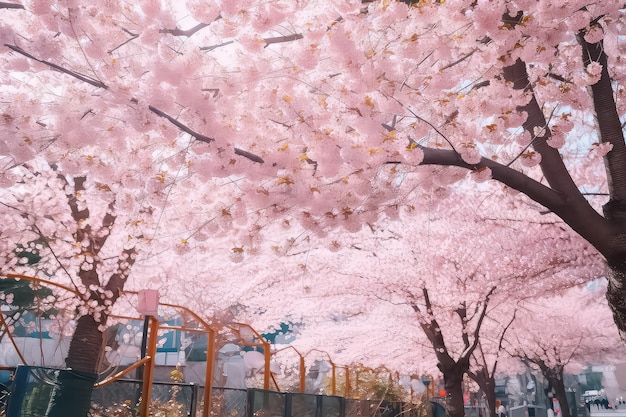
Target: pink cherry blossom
225 146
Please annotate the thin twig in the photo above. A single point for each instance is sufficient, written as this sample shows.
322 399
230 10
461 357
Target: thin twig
545 131
434 128
133 36
212 47
82 51
463 58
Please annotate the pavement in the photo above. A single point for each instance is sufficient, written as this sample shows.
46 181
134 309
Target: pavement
620 412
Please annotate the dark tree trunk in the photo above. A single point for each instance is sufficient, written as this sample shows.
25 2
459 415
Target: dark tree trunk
453 384
555 378
454 395
72 393
491 400
72 398
453 370
559 393
487 383
86 346
616 294
562 195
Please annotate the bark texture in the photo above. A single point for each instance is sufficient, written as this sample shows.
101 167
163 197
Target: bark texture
555 378
72 398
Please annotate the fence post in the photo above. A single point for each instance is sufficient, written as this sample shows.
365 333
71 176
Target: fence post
148 376
194 400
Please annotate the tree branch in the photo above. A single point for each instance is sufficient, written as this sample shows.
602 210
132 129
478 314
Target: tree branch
79 215
268 41
434 128
508 176
577 213
201 137
608 121
458 61
61 265
249 155
476 334
462 313
433 330
133 36
551 164
181 126
281 39
501 342
118 280
4 5
212 47
88 80
188 32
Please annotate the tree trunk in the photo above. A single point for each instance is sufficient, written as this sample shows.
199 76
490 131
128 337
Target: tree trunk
555 378
453 384
616 294
453 373
491 401
487 384
562 397
72 397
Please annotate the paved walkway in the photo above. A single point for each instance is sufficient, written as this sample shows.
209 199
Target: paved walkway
620 412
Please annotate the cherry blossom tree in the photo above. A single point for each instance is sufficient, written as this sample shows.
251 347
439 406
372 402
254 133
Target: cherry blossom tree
487 357
186 123
474 290
72 243
437 276
545 337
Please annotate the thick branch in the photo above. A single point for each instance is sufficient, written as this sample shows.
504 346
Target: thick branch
462 313
551 163
578 214
181 126
431 328
249 155
103 234
117 280
268 41
79 215
4 5
188 32
281 39
88 80
508 176
201 137
608 121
